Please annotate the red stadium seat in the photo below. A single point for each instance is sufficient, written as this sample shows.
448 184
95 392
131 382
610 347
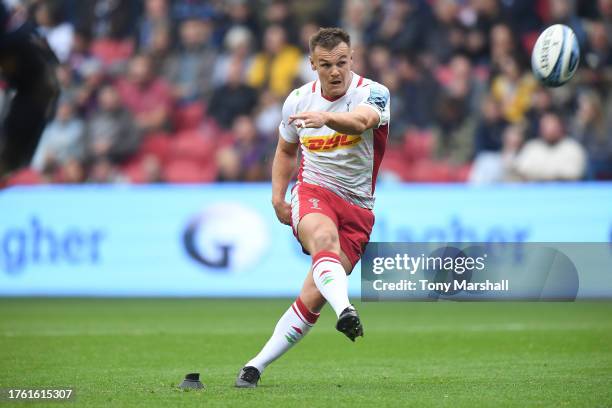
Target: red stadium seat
429 171
112 51
157 145
25 177
134 171
193 145
189 171
394 162
190 116
418 145
462 173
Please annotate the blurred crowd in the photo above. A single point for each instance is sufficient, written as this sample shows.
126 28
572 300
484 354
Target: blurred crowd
192 90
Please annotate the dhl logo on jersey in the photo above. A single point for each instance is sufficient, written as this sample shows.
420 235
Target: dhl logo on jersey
329 143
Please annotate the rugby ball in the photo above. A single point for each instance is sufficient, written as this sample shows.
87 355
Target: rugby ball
555 56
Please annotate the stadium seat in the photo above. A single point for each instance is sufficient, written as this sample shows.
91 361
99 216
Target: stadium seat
193 145
189 171
394 162
25 177
189 116
461 173
418 145
428 171
157 144
112 51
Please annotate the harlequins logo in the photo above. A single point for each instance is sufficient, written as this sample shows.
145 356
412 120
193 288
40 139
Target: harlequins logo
294 334
326 279
315 203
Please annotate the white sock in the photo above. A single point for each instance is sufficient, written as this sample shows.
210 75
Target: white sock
331 280
290 329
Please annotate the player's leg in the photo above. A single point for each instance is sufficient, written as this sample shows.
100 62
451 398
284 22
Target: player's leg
319 235
291 328
293 325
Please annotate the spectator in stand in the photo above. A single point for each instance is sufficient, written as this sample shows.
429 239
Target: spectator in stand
59 34
498 166
268 116
92 76
237 43
461 82
160 50
108 19
278 13
541 102
391 79
448 36
156 17
62 140
597 69
405 26
239 13
379 60
420 92
356 18
190 69
553 155
147 96
103 171
490 129
513 89
563 12
80 56
111 133
605 9
306 73
67 83
248 150
589 128
454 131
503 45
233 99
277 65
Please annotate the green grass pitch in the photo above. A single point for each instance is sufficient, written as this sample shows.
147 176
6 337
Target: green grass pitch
134 352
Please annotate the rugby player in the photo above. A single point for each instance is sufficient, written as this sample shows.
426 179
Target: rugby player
340 122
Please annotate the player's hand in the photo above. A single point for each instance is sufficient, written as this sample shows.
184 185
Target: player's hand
283 211
309 119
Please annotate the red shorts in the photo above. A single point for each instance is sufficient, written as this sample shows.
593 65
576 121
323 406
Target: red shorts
354 222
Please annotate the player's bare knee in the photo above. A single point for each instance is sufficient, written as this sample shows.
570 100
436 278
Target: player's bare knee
325 240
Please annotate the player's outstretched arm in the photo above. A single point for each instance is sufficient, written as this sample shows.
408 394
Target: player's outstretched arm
355 122
283 166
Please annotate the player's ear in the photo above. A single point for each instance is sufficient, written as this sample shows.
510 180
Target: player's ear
312 64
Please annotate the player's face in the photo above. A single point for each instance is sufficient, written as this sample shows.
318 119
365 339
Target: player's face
334 68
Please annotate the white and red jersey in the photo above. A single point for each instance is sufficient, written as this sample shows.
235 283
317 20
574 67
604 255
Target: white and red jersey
345 164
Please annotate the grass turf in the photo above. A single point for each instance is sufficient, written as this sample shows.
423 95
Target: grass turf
133 352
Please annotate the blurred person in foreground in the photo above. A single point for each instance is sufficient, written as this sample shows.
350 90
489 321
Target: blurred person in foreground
340 122
552 155
28 65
